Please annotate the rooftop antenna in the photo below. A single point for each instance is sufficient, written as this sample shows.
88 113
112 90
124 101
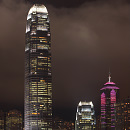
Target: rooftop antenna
109 75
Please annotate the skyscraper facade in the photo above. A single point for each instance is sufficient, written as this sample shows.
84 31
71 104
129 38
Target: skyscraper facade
109 96
85 116
38 79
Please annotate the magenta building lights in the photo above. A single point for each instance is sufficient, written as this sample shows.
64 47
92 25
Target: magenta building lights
103 110
109 96
113 96
113 100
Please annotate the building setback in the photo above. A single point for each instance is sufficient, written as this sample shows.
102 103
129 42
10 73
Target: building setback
85 116
38 79
109 96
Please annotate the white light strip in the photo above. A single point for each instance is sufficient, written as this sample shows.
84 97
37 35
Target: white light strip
36 8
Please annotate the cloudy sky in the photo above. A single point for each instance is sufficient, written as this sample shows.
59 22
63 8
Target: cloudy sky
88 37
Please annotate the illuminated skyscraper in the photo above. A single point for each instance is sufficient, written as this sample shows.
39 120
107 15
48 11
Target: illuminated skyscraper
109 96
38 79
85 116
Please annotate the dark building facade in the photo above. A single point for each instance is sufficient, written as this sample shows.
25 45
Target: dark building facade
60 124
98 122
122 110
2 120
14 120
38 79
109 96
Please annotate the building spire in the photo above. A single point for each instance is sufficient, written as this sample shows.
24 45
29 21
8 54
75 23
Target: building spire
109 75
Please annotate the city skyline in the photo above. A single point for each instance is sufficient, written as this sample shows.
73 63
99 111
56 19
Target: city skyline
84 45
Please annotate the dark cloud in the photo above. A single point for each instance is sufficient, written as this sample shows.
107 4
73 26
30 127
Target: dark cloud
61 3
12 37
86 41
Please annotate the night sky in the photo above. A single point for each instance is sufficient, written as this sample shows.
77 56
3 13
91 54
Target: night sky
88 37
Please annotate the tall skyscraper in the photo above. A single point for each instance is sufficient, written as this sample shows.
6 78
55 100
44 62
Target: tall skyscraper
109 96
14 120
38 79
85 116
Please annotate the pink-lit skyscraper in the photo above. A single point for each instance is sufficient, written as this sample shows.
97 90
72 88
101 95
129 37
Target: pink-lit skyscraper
109 96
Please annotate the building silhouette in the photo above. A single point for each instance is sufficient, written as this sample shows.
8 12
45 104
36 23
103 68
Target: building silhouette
85 116
109 96
60 124
38 79
98 122
14 120
2 120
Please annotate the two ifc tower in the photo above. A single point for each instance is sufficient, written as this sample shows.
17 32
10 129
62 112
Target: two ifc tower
38 79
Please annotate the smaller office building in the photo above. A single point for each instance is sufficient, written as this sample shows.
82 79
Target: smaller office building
85 116
122 114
